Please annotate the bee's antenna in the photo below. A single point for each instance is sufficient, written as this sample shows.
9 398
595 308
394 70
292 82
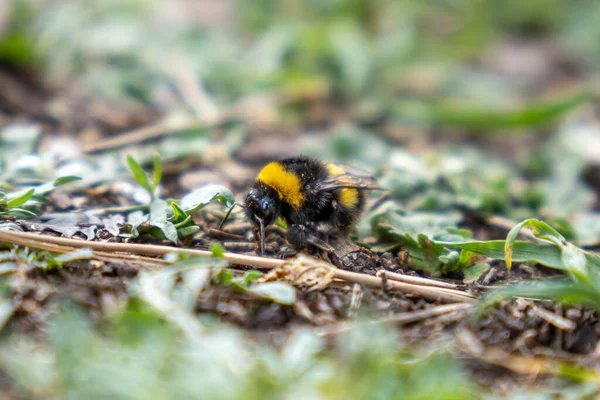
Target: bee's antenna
227 215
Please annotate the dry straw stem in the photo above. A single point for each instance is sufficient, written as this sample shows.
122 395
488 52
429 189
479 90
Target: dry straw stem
148 132
417 280
554 319
429 292
419 315
146 262
32 239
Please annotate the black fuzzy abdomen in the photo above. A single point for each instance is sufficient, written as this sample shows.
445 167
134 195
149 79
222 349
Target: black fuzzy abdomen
342 217
319 206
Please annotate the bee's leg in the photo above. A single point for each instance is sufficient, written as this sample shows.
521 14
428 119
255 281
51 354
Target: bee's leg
297 236
325 228
257 239
300 235
320 243
340 221
286 252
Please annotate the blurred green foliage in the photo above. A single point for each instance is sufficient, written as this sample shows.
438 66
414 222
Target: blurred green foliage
344 49
139 356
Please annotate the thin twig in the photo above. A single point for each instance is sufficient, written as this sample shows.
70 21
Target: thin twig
554 319
428 292
148 132
417 280
100 255
414 316
135 248
219 234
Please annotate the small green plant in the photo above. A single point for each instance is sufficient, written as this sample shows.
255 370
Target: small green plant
141 177
278 292
553 251
26 203
170 219
417 236
11 207
43 260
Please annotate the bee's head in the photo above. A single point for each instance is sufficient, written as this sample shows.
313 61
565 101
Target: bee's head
262 208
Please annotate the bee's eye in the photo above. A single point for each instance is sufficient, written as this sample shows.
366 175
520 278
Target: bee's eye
267 206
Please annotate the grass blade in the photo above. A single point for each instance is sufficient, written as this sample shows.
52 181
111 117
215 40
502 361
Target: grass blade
19 200
138 173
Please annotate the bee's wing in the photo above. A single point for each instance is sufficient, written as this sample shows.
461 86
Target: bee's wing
351 178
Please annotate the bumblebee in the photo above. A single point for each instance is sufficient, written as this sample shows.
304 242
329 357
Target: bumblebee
306 193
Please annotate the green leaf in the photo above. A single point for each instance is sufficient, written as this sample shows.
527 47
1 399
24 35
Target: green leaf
194 262
559 254
473 273
544 254
139 174
185 223
65 179
43 189
238 284
393 223
279 292
481 119
19 49
113 224
188 230
199 198
179 215
251 276
280 222
217 249
17 201
160 290
21 213
82 254
57 262
540 230
50 186
159 219
412 233
573 259
224 276
135 220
